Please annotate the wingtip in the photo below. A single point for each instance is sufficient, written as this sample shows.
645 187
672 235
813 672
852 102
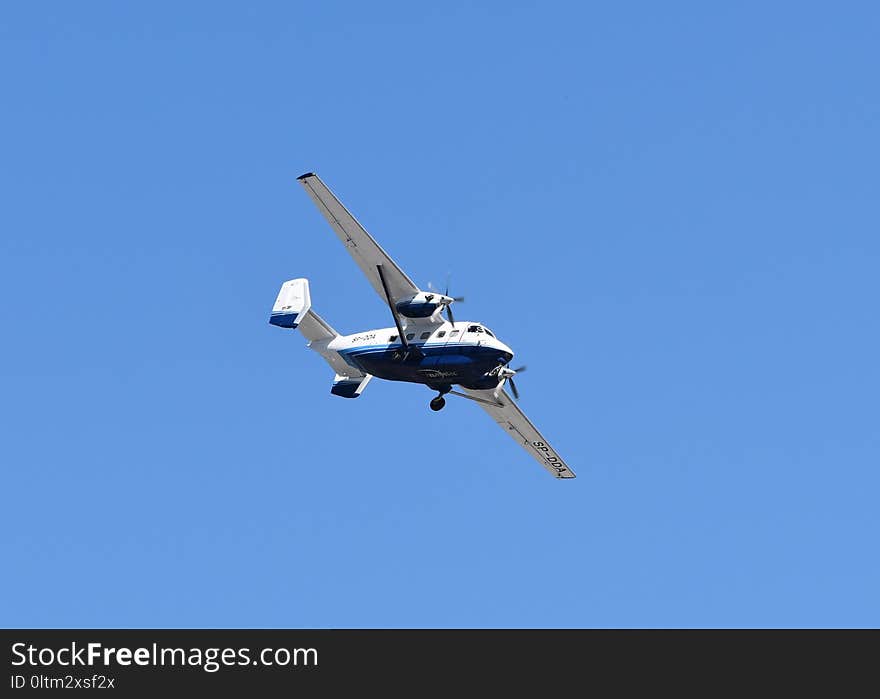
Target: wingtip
304 176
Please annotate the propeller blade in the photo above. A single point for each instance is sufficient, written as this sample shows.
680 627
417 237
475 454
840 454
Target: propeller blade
519 369
446 293
513 388
435 290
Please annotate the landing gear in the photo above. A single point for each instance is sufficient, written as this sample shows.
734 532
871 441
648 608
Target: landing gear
438 402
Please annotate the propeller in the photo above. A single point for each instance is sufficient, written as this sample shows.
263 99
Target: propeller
448 303
513 388
446 292
506 374
511 382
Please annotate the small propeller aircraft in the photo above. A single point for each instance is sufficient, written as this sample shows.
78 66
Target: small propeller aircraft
423 347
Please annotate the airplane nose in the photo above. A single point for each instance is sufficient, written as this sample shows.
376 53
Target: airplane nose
506 352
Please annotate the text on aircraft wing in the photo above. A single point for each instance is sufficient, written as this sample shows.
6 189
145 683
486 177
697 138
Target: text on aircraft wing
502 408
366 252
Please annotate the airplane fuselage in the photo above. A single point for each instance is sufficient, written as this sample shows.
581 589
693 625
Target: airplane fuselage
439 355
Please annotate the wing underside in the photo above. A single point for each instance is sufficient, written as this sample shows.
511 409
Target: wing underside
365 251
507 414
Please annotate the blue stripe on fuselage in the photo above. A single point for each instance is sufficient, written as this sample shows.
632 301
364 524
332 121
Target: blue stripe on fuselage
459 362
398 345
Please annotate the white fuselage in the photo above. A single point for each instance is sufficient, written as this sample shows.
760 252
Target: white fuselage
461 353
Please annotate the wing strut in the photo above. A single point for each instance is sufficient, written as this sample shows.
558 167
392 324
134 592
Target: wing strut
410 349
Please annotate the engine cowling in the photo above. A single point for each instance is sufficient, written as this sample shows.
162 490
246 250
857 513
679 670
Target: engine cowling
422 305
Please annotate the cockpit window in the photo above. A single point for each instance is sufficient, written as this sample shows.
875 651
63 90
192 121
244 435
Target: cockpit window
488 332
475 329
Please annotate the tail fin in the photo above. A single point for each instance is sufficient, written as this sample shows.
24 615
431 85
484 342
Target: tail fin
293 309
292 304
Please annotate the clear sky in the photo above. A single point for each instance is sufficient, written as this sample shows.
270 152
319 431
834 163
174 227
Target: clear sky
668 210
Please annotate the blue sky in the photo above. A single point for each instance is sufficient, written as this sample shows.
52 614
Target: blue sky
669 212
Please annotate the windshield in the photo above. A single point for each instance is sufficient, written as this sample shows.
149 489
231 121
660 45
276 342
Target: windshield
479 329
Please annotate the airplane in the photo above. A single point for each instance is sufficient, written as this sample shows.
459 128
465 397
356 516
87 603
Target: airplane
422 347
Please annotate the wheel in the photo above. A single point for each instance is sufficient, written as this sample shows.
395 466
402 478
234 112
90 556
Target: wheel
438 403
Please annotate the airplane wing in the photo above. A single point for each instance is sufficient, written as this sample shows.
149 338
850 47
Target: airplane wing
365 251
512 420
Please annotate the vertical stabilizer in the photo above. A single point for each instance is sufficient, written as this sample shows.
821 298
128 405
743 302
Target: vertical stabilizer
292 304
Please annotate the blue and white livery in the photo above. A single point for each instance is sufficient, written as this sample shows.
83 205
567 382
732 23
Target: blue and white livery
423 347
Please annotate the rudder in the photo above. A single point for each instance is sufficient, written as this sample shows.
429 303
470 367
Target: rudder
292 304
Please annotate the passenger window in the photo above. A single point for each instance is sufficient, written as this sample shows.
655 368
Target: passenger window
425 335
393 338
454 332
442 333
410 336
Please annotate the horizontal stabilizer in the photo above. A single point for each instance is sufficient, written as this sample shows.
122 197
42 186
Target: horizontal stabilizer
293 309
348 386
